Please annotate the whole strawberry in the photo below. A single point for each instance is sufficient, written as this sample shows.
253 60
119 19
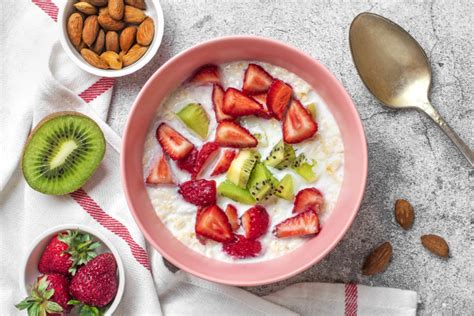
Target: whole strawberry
96 283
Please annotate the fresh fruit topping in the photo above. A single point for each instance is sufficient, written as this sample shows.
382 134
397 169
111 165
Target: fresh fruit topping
218 102
224 162
304 168
281 156
234 192
284 189
212 223
260 184
62 153
302 224
49 296
278 97
256 80
312 109
160 173
188 163
66 251
231 213
199 192
241 167
205 155
255 222
195 118
262 99
241 247
230 134
96 283
308 199
172 142
238 104
298 124
206 74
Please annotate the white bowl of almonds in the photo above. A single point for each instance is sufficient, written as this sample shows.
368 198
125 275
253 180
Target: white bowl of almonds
111 38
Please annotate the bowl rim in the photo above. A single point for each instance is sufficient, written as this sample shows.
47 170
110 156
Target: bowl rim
56 229
111 73
363 163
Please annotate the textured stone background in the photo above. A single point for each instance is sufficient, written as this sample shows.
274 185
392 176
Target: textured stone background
409 157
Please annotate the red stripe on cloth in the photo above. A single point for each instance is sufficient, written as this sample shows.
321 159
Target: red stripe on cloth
101 86
350 299
107 221
48 7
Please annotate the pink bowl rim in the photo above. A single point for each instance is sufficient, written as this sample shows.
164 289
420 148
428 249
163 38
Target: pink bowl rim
359 130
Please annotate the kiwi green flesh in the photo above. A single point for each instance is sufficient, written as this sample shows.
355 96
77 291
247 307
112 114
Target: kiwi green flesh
236 193
288 157
305 170
62 154
285 189
281 156
241 167
195 118
260 184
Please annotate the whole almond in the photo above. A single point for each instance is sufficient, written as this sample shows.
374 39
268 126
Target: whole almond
112 59
85 8
127 38
133 15
404 214
134 54
92 58
97 3
378 260
99 43
140 4
74 28
436 245
112 41
90 30
116 8
145 32
109 24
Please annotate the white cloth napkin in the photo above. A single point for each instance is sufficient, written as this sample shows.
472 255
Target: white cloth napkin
38 79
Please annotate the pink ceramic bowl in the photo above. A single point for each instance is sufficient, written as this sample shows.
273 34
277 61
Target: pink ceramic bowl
227 49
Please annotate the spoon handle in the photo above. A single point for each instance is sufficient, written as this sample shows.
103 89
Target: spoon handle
460 144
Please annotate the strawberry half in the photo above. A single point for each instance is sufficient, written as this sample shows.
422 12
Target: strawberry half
188 163
256 80
308 199
172 142
206 74
231 213
212 223
238 104
278 97
224 162
302 224
199 192
230 134
206 153
255 222
241 247
218 103
298 124
160 173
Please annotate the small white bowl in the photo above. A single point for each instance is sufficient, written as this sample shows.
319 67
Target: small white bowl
29 269
153 10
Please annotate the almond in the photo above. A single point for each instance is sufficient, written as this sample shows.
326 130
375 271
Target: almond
109 24
140 4
134 54
145 32
90 30
92 58
404 214
74 28
112 41
81 46
97 3
116 8
436 245
85 8
127 38
99 43
378 260
112 59
133 15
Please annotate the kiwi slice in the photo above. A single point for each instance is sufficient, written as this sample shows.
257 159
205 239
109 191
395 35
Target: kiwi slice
312 109
284 189
281 156
304 169
260 185
62 153
236 193
241 167
195 118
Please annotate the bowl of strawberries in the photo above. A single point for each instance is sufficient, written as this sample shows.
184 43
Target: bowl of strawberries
71 269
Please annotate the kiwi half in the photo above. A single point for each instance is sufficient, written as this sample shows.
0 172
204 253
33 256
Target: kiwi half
260 185
241 167
281 156
62 153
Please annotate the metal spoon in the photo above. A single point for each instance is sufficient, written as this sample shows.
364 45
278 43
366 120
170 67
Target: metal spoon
395 69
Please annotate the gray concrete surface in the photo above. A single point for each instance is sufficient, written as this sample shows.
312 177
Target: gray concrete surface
409 157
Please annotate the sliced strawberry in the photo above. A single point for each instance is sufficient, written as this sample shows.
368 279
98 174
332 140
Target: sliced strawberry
212 223
238 104
160 173
224 162
302 224
231 213
188 163
308 199
262 99
255 222
172 142
241 247
218 102
205 155
206 74
256 80
278 97
230 134
298 124
199 192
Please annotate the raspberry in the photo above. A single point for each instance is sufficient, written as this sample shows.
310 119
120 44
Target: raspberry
255 222
199 192
242 247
